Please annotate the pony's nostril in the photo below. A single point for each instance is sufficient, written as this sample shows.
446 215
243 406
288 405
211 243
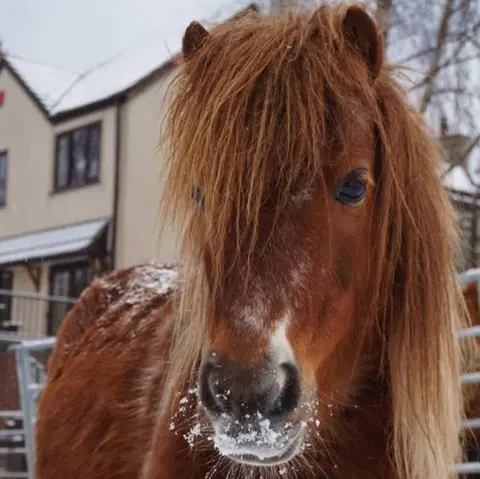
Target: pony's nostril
289 393
224 388
213 399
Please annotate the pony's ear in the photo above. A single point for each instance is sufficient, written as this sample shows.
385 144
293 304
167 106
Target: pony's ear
193 38
364 36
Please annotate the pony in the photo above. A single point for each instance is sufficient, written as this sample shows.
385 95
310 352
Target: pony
309 328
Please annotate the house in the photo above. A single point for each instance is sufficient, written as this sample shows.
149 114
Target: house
79 176
461 177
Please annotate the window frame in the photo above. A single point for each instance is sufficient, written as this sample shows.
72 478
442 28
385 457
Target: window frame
70 157
71 267
4 153
8 298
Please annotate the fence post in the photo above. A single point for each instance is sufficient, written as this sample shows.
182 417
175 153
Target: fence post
24 379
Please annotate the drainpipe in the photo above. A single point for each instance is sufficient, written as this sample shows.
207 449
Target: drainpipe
116 181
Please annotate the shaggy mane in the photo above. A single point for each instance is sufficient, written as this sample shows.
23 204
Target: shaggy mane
271 115
259 113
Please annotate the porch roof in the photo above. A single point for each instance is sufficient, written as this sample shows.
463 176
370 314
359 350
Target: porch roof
43 245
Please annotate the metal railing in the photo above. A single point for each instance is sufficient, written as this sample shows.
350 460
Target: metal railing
470 423
31 375
472 467
30 315
26 322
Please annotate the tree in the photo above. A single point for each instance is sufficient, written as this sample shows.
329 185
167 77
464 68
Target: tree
440 41
382 14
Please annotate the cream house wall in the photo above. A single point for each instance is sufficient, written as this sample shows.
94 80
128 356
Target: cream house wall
31 313
141 185
91 201
31 204
22 281
26 135
29 139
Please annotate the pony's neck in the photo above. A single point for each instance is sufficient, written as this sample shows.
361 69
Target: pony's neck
360 441
356 440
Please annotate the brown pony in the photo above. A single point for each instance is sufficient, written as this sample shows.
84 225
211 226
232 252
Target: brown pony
310 329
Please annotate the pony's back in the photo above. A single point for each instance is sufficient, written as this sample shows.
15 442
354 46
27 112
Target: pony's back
95 418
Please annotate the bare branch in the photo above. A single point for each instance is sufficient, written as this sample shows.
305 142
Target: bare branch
383 16
451 39
470 148
450 90
461 159
474 41
440 41
449 62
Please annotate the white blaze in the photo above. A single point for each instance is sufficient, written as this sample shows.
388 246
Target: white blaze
280 346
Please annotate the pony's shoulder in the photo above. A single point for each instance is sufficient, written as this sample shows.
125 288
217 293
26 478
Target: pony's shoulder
114 312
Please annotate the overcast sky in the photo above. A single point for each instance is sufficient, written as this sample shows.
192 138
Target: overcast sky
76 34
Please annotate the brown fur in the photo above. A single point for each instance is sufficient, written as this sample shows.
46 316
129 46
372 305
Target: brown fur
266 111
93 343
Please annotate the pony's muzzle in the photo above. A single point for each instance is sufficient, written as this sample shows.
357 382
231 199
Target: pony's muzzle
241 392
252 409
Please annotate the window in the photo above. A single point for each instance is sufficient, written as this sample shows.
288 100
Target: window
6 284
68 281
3 178
77 157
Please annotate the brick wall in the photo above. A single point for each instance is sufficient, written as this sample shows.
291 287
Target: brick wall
9 396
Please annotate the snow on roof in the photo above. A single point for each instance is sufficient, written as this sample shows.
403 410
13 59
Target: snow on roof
45 82
61 91
116 75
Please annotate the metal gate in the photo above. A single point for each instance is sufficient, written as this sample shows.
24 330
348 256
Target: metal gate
31 375
25 319
472 468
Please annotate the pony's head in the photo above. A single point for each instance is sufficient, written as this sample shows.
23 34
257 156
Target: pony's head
318 241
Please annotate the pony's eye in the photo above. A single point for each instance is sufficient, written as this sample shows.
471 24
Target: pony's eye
351 190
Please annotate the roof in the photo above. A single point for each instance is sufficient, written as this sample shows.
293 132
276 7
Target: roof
43 81
54 242
60 92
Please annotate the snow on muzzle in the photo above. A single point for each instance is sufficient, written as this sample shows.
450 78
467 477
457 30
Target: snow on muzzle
257 441
252 409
